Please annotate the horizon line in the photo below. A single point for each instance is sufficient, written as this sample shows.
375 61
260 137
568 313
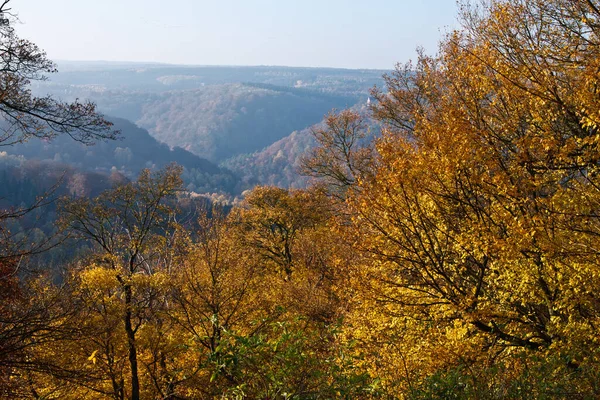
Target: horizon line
159 63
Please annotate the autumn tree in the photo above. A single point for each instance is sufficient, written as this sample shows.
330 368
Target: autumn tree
304 268
203 312
343 153
291 231
134 234
217 291
275 218
480 213
25 323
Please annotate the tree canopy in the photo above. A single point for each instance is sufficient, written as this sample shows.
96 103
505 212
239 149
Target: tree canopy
481 212
454 256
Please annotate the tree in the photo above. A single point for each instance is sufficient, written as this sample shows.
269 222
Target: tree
255 298
343 153
25 323
480 212
219 290
23 115
135 234
294 238
168 314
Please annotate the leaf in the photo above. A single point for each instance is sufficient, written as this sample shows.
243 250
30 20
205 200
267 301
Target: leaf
92 357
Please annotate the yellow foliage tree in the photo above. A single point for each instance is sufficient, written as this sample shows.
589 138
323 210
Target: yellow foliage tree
122 289
481 211
291 233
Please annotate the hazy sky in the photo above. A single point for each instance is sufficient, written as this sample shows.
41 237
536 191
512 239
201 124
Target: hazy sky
325 33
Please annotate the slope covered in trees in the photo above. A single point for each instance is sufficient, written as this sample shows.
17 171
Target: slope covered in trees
151 78
215 112
128 156
280 163
277 164
218 122
454 256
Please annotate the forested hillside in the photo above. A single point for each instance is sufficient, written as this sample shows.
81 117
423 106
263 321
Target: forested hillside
214 112
218 122
139 77
280 163
128 156
449 254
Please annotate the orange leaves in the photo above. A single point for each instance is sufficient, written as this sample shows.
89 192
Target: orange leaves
480 213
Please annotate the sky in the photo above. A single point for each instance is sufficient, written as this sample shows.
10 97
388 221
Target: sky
311 33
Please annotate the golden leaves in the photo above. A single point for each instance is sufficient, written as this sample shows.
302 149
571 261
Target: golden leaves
92 357
480 214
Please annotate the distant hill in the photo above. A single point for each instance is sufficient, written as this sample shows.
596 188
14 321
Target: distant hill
278 163
227 115
128 156
150 77
222 121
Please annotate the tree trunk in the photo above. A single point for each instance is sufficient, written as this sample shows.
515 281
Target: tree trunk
135 382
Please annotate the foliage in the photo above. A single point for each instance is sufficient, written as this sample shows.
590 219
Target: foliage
479 212
135 235
159 310
452 257
288 362
533 378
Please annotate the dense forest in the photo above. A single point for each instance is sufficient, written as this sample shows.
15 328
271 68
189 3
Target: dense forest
132 152
218 122
448 253
218 113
